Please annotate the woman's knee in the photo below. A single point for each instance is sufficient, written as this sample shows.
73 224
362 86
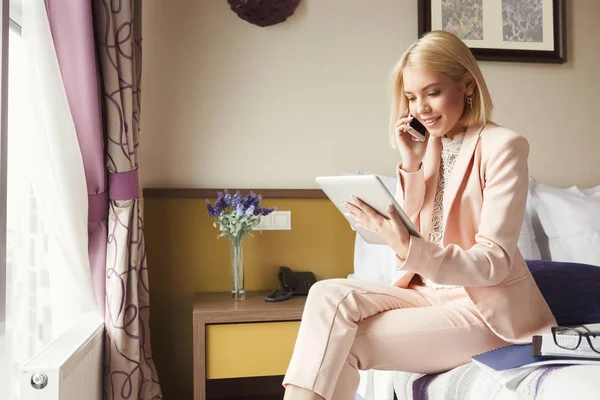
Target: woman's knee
328 290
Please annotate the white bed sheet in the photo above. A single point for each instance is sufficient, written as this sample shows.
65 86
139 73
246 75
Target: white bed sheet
469 382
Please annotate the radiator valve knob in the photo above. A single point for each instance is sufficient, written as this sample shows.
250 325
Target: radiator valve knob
39 381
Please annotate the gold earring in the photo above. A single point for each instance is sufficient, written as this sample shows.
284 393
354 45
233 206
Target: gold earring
469 98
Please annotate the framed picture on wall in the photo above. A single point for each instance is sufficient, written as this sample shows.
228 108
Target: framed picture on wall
501 30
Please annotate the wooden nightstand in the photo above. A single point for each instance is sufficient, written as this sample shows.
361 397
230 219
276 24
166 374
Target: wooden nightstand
237 339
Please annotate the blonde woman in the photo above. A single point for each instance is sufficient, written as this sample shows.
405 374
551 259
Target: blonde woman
461 289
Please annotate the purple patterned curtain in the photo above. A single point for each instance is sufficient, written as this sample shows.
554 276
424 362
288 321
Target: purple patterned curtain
115 227
129 368
117 252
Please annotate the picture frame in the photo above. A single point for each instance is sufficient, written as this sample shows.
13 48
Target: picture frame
501 30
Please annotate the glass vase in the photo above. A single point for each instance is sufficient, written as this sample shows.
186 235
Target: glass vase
237 269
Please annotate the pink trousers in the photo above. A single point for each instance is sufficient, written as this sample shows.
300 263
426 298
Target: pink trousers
349 325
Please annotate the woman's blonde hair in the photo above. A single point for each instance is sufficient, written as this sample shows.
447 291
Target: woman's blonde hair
443 52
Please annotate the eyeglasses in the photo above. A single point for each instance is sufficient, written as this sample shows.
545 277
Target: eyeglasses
570 337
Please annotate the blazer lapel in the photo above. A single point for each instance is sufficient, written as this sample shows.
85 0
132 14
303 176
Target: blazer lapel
431 166
463 160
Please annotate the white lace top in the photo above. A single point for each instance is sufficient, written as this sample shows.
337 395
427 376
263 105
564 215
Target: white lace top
450 150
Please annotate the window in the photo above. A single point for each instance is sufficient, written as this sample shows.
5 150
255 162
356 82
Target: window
3 118
26 317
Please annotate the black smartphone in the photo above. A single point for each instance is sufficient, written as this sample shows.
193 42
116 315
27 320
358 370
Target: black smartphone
417 129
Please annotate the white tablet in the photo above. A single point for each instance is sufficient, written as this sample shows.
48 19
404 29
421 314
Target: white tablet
372 191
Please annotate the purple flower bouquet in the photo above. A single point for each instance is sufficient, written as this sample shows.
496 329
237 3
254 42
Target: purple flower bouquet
236 216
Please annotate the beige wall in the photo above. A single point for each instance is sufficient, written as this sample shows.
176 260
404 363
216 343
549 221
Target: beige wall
229 104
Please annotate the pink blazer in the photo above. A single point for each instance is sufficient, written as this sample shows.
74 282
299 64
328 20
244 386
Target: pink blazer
484 204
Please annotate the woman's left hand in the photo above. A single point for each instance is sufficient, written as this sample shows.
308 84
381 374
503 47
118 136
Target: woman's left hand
389 228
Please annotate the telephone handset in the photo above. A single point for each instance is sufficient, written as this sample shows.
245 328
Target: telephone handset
292 284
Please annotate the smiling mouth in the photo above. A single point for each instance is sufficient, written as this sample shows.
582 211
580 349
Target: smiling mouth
431 121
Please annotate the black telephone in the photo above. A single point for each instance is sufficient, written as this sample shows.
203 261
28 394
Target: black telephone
292 284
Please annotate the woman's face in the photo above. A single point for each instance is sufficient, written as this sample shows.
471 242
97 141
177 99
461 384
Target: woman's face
435 99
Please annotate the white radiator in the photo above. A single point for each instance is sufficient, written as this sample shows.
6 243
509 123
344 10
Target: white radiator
69 368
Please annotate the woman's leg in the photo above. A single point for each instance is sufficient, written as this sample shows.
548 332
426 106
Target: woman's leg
422 340
328 328
297 393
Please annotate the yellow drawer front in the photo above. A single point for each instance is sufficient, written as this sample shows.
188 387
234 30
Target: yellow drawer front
249 349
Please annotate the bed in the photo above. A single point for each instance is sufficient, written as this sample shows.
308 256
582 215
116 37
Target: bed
560 239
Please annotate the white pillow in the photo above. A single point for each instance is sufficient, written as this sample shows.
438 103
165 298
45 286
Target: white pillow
373 262
571 220
528 244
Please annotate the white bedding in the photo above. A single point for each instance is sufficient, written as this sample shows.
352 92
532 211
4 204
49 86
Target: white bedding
469 382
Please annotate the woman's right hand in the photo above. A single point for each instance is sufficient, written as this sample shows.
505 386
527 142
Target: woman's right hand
411 149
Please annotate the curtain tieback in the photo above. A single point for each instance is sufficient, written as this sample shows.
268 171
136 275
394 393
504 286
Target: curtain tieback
123 185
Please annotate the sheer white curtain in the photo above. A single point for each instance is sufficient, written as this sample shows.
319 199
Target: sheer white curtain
49 281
